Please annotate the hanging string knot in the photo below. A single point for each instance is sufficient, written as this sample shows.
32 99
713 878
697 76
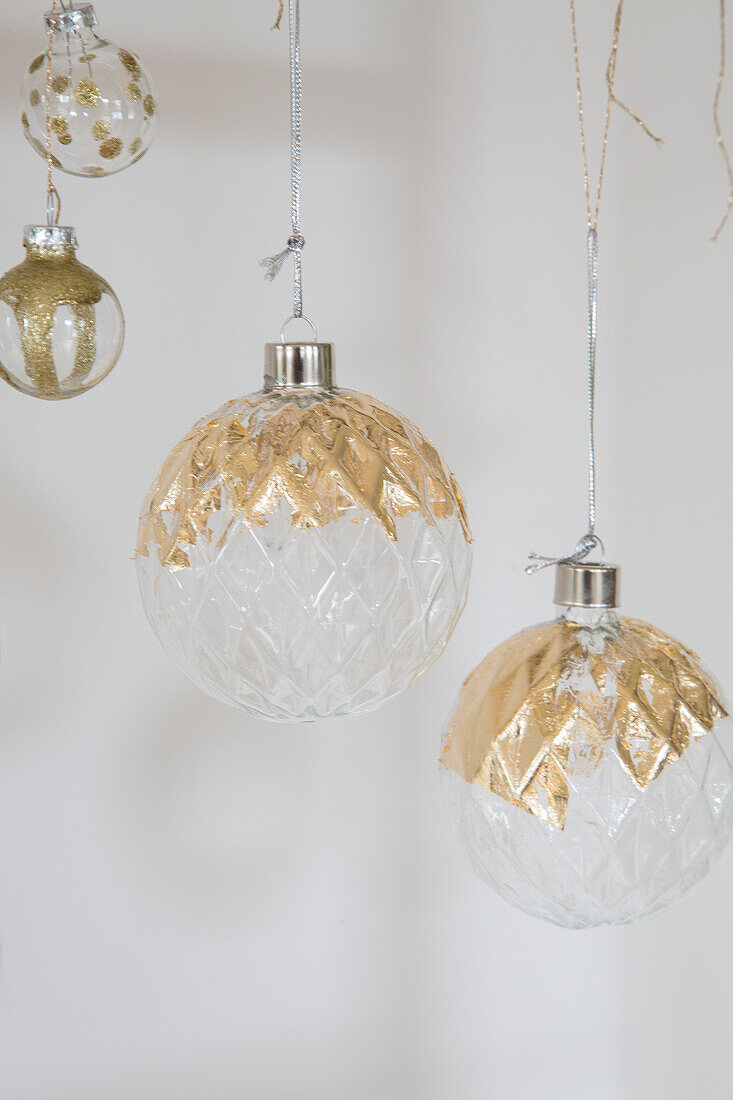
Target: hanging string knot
296 241
585 546
273 264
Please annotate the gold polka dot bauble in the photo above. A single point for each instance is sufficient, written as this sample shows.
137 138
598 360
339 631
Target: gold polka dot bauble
103 105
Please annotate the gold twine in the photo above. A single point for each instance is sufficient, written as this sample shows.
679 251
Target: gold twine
612 98
51 191
716 119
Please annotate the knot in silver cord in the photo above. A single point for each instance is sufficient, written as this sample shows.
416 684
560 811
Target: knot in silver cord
296 241
273 264
588 543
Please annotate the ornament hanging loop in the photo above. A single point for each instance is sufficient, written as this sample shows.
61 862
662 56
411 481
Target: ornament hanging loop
53 206
298 317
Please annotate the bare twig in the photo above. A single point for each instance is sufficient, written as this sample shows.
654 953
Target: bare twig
718 130
276 25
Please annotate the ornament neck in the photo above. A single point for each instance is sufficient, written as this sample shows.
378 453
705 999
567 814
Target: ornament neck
50 240
296 366
594 618
71 19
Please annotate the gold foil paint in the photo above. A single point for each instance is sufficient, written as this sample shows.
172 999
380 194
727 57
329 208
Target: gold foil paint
59 125
35 290
101 129
60 84
324 458
86 92
35 97
132 91
110 148
131 63
135 145
36 63
548 702
149 105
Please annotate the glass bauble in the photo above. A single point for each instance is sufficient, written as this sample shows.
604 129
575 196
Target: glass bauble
103 104
304 552
61 326
587 769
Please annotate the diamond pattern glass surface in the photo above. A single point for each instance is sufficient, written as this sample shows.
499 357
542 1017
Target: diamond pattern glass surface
625 845
293 622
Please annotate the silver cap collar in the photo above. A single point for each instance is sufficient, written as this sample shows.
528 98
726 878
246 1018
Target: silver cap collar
294 365
50 238
587 584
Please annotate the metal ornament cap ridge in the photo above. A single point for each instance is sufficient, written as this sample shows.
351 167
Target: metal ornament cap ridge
71 20
587 584
294 365
50 238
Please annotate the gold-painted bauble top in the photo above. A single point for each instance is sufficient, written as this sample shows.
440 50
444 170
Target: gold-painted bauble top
324 453
47 281
555 698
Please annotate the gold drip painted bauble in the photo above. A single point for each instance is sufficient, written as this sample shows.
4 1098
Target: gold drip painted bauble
61 326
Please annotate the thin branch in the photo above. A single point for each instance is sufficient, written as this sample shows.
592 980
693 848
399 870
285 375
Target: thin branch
718 130
276 25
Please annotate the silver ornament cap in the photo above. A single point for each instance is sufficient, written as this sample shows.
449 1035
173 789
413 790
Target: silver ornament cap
290 366
50 238
587 584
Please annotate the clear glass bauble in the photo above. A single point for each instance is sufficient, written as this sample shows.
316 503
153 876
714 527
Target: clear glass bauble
61 326
103 104
304 554
588 770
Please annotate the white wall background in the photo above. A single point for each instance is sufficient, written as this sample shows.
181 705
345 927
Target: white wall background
194 906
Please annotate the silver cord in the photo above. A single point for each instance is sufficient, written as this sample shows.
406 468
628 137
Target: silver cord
296 241
590 540
592 342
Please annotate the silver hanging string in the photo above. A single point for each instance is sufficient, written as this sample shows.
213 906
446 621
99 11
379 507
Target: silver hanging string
590 540
296 241
592 341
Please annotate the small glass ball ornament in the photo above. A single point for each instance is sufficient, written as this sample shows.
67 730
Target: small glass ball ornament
61 326
103 104
304 552
588 763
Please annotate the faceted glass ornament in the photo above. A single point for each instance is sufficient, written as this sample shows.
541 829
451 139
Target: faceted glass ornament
588 769
103 104
61 326
304 552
